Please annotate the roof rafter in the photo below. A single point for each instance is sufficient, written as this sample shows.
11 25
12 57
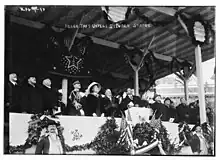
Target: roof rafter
100 41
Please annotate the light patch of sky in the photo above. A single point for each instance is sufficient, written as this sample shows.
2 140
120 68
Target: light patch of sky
208 70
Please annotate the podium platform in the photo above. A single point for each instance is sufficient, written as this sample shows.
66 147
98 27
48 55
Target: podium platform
88 127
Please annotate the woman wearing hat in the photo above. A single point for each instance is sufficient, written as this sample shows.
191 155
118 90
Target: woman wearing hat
93 100
51 143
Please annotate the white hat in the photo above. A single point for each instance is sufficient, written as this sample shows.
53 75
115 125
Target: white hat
47 82
91 85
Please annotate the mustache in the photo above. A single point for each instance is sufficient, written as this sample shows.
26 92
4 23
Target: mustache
53 129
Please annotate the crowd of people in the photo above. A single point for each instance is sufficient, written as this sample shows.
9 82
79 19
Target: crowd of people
29 97
40 98
32 98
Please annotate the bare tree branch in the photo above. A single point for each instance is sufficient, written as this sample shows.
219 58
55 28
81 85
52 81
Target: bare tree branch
192 70
75 33
179 75
180 81
132 66
145 53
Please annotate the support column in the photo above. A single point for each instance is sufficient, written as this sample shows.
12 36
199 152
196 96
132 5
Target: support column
64 90
201 94
136 83
186 90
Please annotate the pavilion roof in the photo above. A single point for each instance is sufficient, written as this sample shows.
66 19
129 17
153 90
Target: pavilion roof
169 41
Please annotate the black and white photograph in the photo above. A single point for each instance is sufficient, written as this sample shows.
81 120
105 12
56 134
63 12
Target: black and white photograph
109 80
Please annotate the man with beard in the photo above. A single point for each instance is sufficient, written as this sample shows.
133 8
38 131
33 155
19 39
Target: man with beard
31 101
51 143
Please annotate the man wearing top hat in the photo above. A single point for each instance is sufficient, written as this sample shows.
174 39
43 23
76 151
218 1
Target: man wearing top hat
51 143
76 99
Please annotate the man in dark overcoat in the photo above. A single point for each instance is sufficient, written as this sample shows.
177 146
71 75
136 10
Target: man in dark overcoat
50 96
130 101
183 111
159 108
31 99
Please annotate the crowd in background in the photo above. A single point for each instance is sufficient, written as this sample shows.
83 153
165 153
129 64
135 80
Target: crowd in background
30 97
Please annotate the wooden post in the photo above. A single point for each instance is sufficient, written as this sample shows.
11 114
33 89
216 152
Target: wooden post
138 67
136 83
65 90
186 75
201 95
186 91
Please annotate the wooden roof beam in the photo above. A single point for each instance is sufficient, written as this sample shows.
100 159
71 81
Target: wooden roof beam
171 12
115 74
100 41
165 10
168 11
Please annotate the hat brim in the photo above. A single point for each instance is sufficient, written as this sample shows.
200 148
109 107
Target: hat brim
50 122
92 85
76 82
156 97
167 99
194 127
